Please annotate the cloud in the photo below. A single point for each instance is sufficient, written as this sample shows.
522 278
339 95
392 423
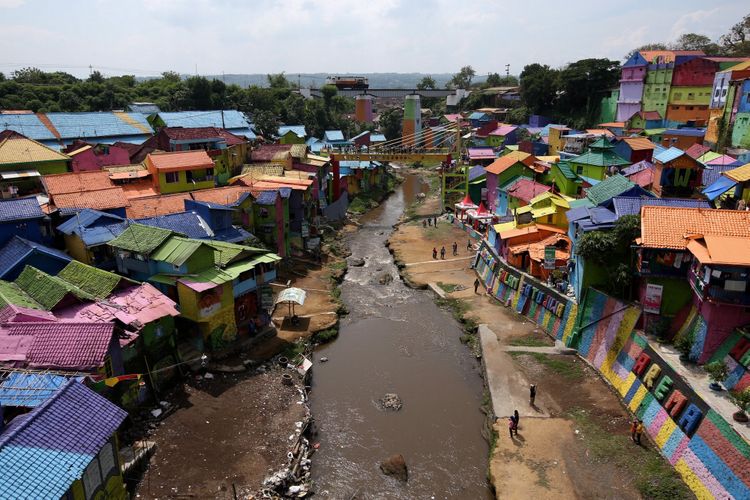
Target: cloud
11 4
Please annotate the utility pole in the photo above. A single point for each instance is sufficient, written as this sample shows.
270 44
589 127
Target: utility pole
91 70
299 81
507 70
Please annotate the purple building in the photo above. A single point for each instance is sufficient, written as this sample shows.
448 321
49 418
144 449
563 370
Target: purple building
631 87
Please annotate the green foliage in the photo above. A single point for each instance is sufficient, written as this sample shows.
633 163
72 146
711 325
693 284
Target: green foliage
717 371
582 84
495 80
695 41
462 79
519 115
684 344
427 83
741 399
390 123
539 85
737 41
325 336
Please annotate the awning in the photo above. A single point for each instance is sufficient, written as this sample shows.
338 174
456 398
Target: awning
19 174
296 295
719 187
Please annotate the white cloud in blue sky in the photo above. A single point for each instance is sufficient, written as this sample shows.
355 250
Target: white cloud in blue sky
260 36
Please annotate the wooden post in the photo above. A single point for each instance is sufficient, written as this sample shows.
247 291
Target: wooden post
148 371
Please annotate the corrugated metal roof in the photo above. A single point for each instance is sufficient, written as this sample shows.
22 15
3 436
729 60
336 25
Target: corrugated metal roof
190 224
670 154
333 135
741 174
298 130
229 119
99 124
686 132
177 250
626 205
608 189
22 150
27 124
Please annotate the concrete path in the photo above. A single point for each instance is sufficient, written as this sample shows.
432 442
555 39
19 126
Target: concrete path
438 261
509 389
558 348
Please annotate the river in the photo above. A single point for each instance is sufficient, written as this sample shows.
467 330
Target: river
396 339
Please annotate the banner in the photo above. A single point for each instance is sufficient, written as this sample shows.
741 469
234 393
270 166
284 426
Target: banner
652 301
549 256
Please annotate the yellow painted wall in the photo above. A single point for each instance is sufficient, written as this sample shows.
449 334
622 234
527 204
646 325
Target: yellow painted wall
76 249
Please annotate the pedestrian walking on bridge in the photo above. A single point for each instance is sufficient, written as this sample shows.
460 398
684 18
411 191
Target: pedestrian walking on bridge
455 248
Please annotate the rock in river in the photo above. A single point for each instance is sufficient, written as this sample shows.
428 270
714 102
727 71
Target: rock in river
391 401
356 261
384 278
395 466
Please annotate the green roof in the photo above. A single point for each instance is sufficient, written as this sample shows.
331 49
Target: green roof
581 202
654 131
141 239
600 157
564 169
97 282
608 189
11 294
224 252
47 290
601 143
177 250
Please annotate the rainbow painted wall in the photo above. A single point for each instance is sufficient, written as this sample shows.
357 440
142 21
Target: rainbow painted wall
735 352
551 310
713 460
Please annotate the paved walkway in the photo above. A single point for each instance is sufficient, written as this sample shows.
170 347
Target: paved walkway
437 261
509 389
558 348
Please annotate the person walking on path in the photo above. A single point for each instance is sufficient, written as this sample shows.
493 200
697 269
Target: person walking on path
468 245
442 253
424 223
429 222
434 253
434 221
516 418
476 285
511 426
638 431
633 427
455 248
532 394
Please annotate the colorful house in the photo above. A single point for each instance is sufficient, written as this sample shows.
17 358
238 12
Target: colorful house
230 120
19 253
700 257
218 219
73 192
64 448
23 161
547 208
581 272
523 248
273 153
596 162
502 136
86 237
682 138
522 191
661 64
644 120
616 185
180 171
514 164
292 134
641 173
635 149
334 139
238 198
564 179
271 216
676 174
23 217
85 156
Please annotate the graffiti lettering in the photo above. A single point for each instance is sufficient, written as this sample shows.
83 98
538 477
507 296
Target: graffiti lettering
651 376
675 403
641 364
690 419
662 389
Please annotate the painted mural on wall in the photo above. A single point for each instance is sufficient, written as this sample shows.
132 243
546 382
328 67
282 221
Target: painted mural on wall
709 455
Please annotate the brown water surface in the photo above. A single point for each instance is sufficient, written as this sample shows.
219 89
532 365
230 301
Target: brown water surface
396 339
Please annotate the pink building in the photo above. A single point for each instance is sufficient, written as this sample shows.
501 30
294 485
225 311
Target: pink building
631 87
85 157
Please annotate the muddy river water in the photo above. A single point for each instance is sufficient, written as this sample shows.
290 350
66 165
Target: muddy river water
396 339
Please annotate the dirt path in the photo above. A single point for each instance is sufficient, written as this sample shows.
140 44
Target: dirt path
575 442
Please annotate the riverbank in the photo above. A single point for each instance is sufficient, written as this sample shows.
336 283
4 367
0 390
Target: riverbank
578 431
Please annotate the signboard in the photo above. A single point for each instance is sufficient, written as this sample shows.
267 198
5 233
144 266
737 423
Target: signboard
549 256
305 230
652 301
266 297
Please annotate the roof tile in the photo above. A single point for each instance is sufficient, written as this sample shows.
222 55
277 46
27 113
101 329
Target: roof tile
667 227
179 160
76 182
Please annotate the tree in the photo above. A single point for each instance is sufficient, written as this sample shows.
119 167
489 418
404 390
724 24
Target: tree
582 85
737 41
199 92
462 79
495 80
29 75
695 41
278 81
538 87
265 123
171 77
96 77
2 76
390 123
519 115
427 83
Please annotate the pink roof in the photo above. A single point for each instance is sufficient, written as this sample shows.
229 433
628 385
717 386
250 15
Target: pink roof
64 346
198 286
722 160
12 313
480 153
503 130
134 306
525 189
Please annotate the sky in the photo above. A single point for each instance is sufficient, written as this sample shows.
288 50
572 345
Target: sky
147 37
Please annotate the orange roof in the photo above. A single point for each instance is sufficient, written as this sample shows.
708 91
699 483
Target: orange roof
668 55
180 160
139 190
612 124
222 195
639 143
671 227
536 249
600 131
535 228
723 250
76 182
505 162
273 182
157 205
98 199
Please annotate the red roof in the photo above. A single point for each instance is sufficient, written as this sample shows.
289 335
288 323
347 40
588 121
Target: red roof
76 182
64 346
100 199
157 205
222 195
697 150
267 152
179 160
525 189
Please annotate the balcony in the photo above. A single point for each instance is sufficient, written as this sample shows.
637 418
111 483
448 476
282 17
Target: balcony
718 294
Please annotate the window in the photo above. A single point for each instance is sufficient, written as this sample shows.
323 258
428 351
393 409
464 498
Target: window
678 95
189 176
579 170
691 96
209 173
172 177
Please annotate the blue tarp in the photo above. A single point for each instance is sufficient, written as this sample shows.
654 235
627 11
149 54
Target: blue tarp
719 187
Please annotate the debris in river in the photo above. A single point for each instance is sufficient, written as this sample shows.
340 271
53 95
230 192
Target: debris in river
391 401
395 466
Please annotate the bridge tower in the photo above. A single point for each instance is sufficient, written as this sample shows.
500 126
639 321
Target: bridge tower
363 109
412 124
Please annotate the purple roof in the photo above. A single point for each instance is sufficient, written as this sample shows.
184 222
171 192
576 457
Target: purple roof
479 153
43 452
63 346
266 197
624 205
637 167
689 132
712 172
476 171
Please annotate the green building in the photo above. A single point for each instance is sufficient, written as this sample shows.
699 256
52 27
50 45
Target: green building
595 162
656 88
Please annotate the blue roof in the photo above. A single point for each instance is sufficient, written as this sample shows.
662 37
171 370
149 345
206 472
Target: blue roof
591 218
190 224
377 138
590 180
133 139
29 125
344 171
29 389
719 187
334 135
355 164
670 154
629 205
266 197
689 132
234 121
94 227
18 249
713 172
299 130
477 115
233 234
285 192
476 171
658 149
99 124
43 452
19 209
